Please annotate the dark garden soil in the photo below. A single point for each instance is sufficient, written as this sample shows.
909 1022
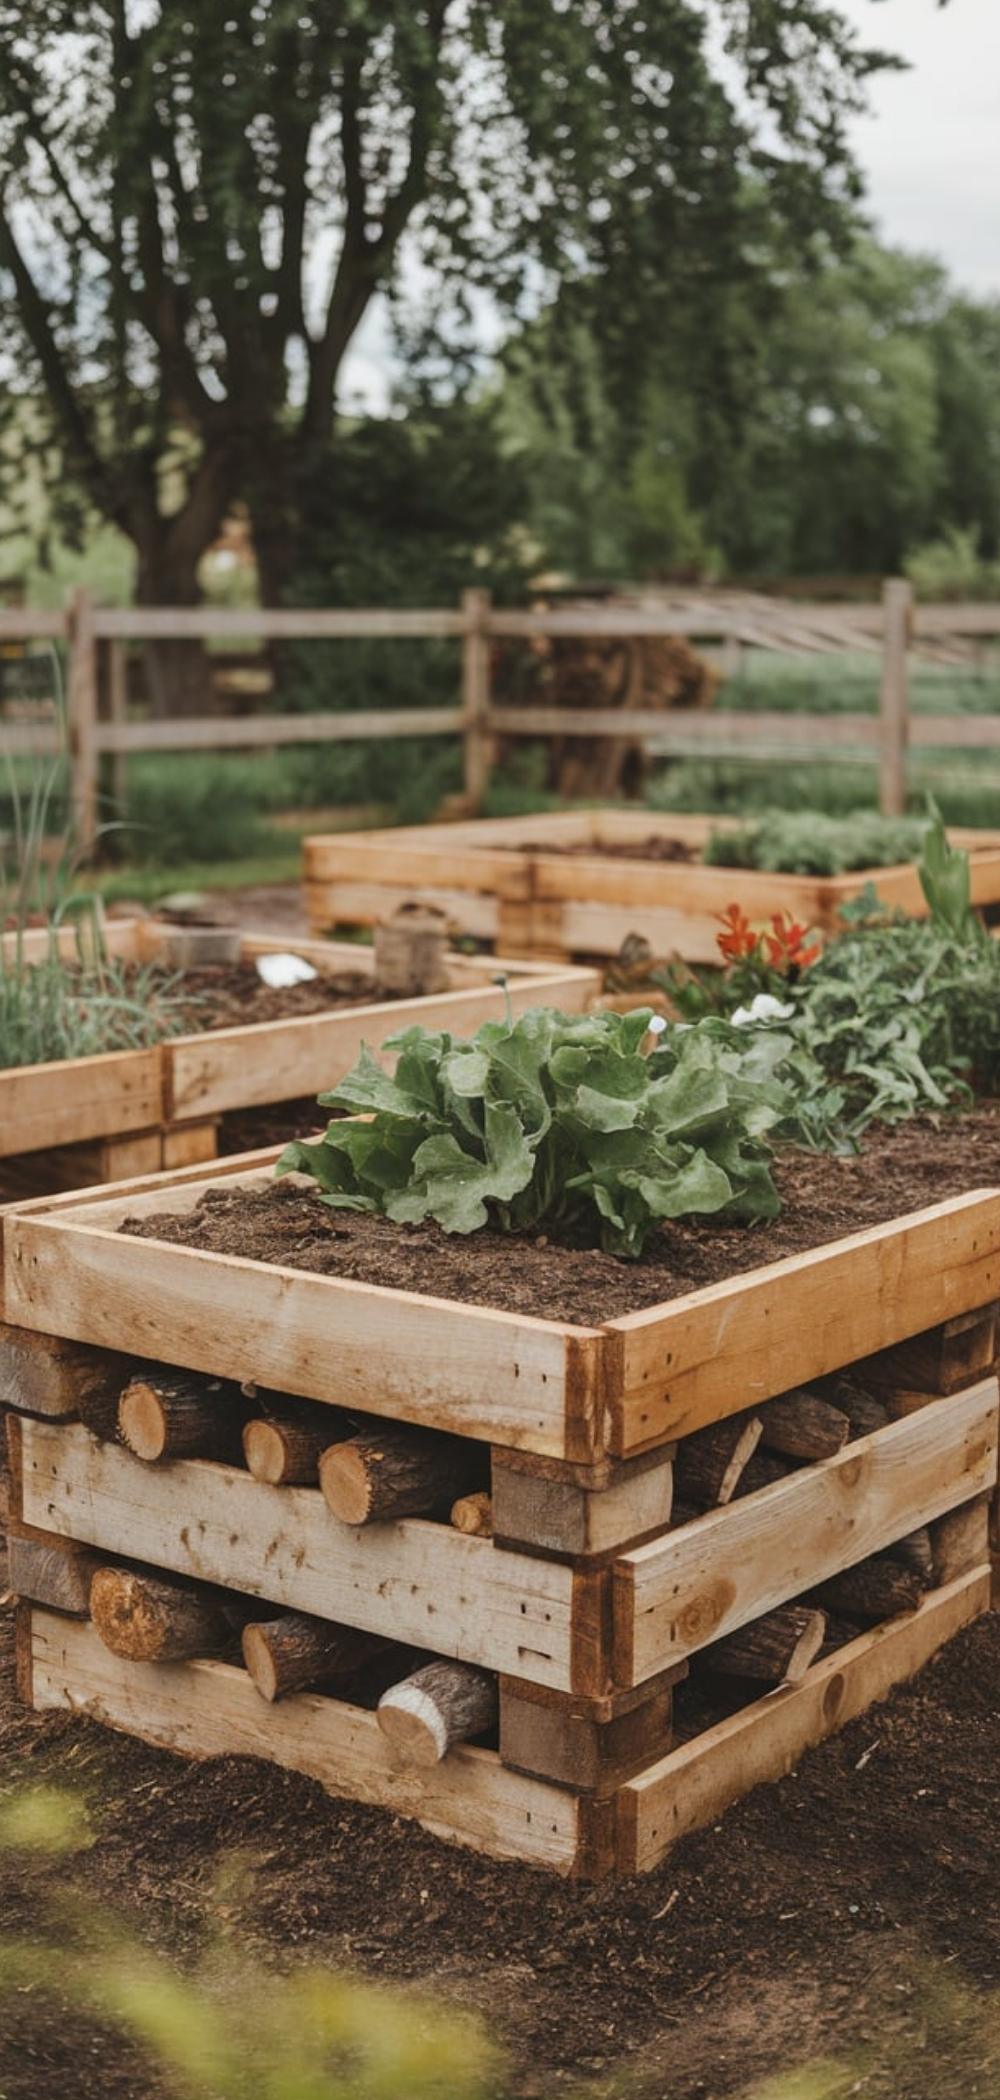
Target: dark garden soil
234 995
852 1910
823 1197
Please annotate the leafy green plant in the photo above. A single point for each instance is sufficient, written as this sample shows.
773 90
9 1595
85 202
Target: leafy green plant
558 1121
896 1017
811 842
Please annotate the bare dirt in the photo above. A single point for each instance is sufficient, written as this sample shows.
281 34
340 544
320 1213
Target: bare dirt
851 1910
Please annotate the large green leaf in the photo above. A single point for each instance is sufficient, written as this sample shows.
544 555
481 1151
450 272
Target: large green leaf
559 1119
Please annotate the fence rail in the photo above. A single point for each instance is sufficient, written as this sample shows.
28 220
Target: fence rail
98 723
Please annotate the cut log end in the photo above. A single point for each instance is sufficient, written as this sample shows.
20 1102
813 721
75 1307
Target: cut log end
395 1472
440 1705
143 1619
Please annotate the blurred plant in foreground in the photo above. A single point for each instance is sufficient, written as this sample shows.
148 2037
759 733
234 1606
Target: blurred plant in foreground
234 2030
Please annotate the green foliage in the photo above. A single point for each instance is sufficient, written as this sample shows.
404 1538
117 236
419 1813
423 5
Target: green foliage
556 1121
952 567
810 842
906 1013
895 1017
83 1003
188 807
61 994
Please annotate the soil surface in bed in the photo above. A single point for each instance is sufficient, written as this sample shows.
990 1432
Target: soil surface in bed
823 1198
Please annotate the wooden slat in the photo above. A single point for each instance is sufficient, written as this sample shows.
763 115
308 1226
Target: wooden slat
209 1709
699 1583
412 1581
240 732
434 861
718 1350
81 1098
276 1061
365 903
528 1383
168 622
714 730
692 1785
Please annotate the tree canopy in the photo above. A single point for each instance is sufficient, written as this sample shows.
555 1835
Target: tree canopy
823 425
198 205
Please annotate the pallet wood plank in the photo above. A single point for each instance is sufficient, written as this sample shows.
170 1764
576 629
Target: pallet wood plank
532 1384
71 1102
42 1375
412 1581
211 1709
250 1066
723 1349
682 1591
693 1784
364 903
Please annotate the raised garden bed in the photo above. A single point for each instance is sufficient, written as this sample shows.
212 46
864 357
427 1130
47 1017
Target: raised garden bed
529 886
599 1606
96 1119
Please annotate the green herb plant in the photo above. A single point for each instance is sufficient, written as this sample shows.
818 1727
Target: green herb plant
570 1123
61 994
812 842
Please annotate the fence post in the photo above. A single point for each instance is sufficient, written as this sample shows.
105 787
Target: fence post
897 616
81 723
117 696
475 695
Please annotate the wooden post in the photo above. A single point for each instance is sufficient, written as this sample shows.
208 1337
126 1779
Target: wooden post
81 725
475 696
117 712
897 615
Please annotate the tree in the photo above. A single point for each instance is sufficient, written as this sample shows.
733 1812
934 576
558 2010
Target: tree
199 204
827 424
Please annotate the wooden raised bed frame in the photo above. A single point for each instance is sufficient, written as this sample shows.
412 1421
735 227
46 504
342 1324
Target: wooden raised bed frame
107 1118
587 1604
534 902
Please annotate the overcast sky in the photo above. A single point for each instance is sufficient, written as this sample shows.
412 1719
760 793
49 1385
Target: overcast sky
931 147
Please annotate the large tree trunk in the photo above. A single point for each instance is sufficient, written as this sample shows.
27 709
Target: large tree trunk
177 671
170 551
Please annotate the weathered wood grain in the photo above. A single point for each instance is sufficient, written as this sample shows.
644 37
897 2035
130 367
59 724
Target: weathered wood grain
676 1594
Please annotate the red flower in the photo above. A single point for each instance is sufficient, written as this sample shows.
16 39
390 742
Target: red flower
737 938
786 948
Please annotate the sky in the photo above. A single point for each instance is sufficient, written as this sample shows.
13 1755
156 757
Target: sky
930 148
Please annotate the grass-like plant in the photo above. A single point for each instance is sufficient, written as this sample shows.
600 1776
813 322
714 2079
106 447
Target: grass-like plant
812 842
61 994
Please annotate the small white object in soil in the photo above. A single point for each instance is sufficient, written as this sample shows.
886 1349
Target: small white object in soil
279 971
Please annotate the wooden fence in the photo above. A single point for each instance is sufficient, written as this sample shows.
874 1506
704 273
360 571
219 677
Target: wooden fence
98 721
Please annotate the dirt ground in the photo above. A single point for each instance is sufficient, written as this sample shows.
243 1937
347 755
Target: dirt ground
850 1911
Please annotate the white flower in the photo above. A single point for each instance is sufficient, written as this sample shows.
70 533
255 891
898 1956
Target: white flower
765 1007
